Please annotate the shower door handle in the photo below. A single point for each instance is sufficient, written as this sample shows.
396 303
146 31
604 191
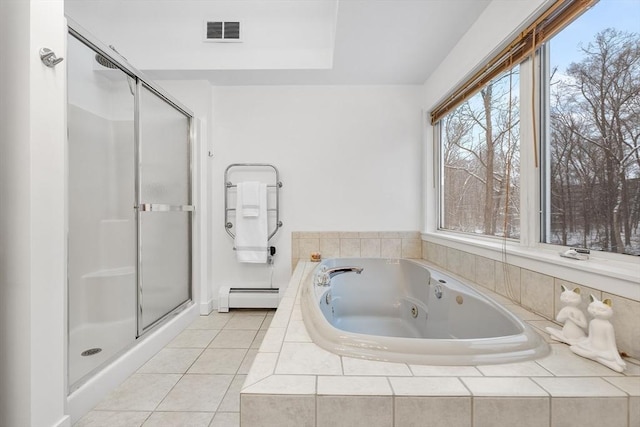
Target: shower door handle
157 207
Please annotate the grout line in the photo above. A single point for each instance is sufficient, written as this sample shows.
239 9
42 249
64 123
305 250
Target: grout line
315 401
166 395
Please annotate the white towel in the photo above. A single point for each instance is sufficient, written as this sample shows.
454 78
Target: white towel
249 193
252 233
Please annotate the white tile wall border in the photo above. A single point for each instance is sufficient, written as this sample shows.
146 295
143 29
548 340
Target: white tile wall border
293 382
366 244
536 292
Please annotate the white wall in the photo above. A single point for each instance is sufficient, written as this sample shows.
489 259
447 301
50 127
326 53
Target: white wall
32 219
349 159
276 34
15 311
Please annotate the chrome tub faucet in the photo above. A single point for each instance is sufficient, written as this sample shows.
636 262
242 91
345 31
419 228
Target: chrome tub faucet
324 276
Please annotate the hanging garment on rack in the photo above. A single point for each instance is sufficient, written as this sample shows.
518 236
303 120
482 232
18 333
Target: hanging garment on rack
252 233
250 198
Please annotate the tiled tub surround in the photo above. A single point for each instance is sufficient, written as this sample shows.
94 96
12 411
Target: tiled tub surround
293 382
534 291
370 244
399 310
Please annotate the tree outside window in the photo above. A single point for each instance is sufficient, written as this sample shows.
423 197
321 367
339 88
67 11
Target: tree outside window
480 158
594 147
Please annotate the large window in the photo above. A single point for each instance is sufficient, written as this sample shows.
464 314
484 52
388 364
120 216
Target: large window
581 171
593 149
480 157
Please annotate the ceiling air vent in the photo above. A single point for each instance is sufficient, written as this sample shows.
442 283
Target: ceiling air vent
222 31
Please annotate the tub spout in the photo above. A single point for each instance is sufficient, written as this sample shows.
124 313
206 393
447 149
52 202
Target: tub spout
324 278
341 270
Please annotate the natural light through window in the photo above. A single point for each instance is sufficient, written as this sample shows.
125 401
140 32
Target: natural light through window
592 188
585 143
480 141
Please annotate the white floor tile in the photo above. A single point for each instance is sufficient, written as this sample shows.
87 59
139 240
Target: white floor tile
140 392
218 361
201 393
175 419
264 365
249 357
245 322
113 419
213 321
230 338
231 400
257 341
226 419
171 361
194 338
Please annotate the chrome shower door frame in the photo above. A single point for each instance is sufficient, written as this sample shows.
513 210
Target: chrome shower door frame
140 206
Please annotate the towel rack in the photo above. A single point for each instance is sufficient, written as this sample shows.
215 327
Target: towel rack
276 186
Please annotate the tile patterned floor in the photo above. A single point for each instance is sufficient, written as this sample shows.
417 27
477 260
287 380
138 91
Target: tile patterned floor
194 381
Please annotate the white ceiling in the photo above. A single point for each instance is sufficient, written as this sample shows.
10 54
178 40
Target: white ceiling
317 41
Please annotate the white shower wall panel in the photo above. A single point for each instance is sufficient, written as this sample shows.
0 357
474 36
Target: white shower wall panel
101 177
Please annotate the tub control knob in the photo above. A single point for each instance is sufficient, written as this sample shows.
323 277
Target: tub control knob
323 278
438 291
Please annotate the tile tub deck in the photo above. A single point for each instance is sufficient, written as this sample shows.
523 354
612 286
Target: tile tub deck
293 382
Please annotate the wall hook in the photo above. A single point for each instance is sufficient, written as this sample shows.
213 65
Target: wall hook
48 57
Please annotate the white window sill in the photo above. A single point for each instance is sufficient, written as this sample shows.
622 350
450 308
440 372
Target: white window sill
611 273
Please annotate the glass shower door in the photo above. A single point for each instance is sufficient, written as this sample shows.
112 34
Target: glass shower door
101 271
129 205
164 208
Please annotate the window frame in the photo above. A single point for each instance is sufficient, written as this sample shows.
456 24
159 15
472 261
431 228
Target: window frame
616 273
440 170
524 89
533 225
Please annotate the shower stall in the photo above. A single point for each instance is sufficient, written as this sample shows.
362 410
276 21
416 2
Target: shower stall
129 205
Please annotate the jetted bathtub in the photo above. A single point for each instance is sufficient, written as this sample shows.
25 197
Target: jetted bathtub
402 311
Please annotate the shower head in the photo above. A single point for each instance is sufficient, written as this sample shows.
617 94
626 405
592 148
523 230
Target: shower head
107 63
104 61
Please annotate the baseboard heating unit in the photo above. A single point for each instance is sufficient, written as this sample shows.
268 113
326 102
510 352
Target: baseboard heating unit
247 298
